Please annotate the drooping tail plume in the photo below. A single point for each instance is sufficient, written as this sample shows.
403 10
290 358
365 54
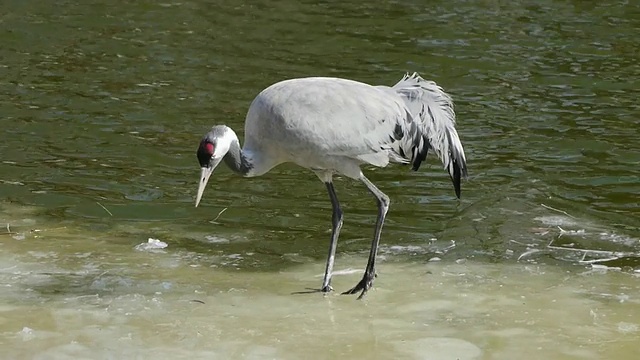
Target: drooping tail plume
428 102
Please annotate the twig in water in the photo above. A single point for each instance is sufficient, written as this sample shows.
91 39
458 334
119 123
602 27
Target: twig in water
595 261
521 243
587 251
557 210
220 213
105 209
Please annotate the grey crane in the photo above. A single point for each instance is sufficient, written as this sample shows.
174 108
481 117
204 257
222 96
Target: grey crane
333 126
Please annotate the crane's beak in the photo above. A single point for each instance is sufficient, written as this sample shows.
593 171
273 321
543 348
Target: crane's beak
205 174
204 178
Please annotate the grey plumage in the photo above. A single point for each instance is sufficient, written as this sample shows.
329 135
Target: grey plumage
333 126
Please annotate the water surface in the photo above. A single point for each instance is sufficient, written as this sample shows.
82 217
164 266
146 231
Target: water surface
103 107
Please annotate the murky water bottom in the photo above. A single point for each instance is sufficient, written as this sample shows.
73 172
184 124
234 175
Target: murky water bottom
66 295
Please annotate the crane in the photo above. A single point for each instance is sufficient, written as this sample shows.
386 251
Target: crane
332 126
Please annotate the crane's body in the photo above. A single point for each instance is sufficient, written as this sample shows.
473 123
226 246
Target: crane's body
298 121
333 126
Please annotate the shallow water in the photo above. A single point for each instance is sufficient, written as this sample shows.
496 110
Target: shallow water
100 301
104 106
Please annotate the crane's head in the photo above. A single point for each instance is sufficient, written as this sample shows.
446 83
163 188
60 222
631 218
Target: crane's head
213 147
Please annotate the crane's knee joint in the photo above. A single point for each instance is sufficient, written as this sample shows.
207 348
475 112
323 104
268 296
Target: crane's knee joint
384 202
337 220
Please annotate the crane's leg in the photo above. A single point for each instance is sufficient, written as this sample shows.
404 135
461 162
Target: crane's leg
370 271
336 221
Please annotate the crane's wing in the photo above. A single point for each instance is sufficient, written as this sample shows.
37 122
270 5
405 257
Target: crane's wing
375 127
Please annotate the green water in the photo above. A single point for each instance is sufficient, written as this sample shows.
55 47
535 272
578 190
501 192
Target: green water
103 105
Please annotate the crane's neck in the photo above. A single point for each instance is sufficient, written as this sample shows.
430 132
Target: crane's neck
252 160
237 160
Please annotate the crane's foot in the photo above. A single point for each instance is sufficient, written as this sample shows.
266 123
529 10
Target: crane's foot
364 285
325 290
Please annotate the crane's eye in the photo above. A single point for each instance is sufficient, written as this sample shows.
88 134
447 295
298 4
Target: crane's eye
205 152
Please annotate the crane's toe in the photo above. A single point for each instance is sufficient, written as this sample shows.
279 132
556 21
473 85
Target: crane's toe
364 285
325 290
